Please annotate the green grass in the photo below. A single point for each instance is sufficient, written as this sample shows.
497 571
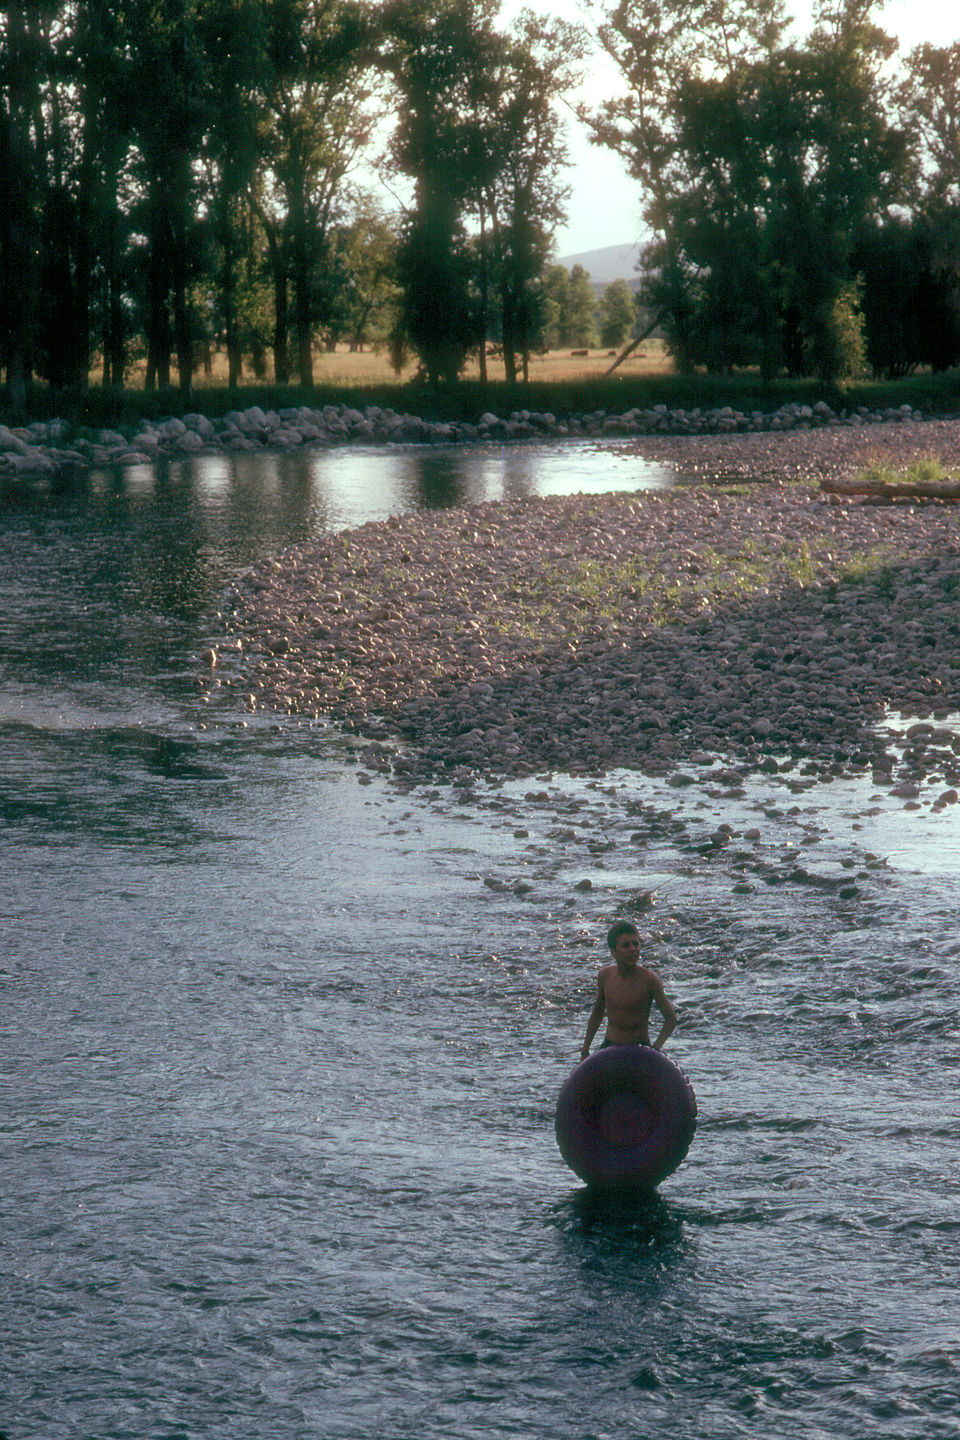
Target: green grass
924 469
587 592
876 566
468 399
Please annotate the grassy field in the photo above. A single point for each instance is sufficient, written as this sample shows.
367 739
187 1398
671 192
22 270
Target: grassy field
350 370
560 382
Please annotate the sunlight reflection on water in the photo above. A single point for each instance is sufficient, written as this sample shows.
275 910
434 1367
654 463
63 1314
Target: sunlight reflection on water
280 1064
352 485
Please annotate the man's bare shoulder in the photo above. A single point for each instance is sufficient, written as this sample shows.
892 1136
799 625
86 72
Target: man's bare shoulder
643 979
640 976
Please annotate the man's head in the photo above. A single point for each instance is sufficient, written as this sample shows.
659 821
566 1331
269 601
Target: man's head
619 929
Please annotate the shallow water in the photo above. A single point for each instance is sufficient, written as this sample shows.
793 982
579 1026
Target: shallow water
280 1050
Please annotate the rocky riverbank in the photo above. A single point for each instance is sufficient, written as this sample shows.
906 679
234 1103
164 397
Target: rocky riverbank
768 629
54 446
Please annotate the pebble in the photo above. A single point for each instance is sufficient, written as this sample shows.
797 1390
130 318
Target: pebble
467 664
590 633
52 446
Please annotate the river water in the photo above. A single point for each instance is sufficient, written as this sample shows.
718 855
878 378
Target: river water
281 1044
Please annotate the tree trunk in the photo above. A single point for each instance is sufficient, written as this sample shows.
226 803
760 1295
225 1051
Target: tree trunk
114 340
179 274
18 239
301 323
281 342
948 489
278 275
16 251
82 281
484 294
158 336
228 300
508 317
113 326
158 315
183 341
300 256
631 345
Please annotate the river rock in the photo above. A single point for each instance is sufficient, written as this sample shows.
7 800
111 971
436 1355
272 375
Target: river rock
788 678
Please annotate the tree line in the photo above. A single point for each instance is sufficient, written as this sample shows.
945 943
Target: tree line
168 166
804 196
172 170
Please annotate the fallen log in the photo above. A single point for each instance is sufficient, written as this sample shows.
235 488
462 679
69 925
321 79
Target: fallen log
631 345
948 489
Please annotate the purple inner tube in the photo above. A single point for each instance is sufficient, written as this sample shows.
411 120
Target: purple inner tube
626 1117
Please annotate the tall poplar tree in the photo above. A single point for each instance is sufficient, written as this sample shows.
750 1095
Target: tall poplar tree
107 102
580 327
433 53
760 163
22 64
317 118
174 94
525 196
234 39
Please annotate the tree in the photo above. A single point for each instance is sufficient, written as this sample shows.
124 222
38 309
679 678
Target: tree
909 300
233 33
480 139
169 76
20 70
929 98
618 312
555 291
45 192
930 104
318 116
659 46
174 169
524 195
433 55
580 327
364 310
106 111
761 164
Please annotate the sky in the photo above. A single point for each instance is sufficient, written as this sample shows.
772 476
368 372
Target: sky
605 205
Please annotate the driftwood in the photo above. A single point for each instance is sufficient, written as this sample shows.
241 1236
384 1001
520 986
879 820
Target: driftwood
895 489
631 345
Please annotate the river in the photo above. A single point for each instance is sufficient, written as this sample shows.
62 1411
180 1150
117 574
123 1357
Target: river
281 1049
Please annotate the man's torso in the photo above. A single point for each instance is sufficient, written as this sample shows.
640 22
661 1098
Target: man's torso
628 999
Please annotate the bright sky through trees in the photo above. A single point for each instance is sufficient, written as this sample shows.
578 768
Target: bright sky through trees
605 205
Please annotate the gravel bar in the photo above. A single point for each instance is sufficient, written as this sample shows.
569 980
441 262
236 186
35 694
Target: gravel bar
765 624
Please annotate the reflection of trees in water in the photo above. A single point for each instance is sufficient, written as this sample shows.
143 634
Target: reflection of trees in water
125 557
443 478
439 479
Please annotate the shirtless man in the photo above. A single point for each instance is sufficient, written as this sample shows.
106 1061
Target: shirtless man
625 993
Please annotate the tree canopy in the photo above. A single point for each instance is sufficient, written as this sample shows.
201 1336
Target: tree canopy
765 163
174 172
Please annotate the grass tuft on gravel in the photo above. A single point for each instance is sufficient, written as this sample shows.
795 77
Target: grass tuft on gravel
922 470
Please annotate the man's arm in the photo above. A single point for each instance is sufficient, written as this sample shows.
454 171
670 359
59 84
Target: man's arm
596 1016
666 1010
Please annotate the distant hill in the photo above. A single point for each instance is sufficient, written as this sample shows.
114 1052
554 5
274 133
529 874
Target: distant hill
613 262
